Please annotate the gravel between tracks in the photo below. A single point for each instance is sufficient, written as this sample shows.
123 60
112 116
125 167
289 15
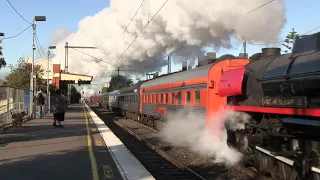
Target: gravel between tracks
201 165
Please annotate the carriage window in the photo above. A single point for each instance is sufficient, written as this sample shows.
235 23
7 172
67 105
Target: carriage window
197 96
179 97
167 98
188 97
163 98
172 98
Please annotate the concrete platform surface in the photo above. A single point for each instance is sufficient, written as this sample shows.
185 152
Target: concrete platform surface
40 151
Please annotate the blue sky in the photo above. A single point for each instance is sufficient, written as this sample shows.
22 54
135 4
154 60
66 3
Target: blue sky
302 15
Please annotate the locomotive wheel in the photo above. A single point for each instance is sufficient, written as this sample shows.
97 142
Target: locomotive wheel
144 120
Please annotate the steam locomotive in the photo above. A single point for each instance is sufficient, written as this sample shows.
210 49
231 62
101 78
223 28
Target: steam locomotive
279 92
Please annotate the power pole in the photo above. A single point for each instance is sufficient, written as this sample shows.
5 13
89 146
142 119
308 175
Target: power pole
32 106
245 48
11 67
66 66
118 70
66 58
169 64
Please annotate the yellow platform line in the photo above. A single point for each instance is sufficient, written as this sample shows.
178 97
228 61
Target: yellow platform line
94 166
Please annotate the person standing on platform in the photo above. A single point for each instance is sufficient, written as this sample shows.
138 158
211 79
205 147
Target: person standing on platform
41 102
58 108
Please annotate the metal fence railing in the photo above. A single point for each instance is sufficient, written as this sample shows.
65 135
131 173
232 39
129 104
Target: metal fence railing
12 100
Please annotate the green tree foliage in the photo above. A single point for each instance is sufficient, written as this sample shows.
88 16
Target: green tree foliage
104 90
119 81
75 95
288 42
20 76
52 88
3 62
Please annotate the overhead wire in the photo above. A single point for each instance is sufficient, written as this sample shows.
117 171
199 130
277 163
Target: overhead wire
242 45
10 37
39 45
260 6
91 56
310 31
303 34
18 12
141 31
128 25
159 58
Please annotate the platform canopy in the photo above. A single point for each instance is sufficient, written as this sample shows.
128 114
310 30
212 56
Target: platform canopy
75 78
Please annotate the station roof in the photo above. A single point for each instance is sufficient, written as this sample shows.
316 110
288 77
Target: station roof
75 78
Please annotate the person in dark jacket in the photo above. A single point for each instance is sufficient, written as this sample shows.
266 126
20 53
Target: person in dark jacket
41 102
58 108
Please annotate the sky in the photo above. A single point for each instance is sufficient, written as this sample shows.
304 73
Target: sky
302 15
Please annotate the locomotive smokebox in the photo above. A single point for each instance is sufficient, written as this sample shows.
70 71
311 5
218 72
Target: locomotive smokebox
266 52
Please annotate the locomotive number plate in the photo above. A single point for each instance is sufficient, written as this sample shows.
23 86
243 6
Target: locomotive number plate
298 101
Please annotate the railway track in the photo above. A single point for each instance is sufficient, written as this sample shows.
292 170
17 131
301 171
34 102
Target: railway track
153 159
196 173
283 165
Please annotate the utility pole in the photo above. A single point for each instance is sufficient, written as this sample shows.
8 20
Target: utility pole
245 48
66 66
33 106
169 64
32 68
118 70
66 61
48 71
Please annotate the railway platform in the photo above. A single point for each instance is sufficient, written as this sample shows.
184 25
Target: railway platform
78 150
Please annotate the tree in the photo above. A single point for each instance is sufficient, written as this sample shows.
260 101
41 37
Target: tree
20 76
290 38
52 88
2 60
104 90
119 81
75 95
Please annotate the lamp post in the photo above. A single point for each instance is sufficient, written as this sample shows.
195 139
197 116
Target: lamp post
48 70
32 87
1 34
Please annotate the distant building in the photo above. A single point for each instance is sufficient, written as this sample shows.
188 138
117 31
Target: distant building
107 84
58 76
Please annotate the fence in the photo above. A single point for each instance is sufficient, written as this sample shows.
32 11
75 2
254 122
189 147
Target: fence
12 100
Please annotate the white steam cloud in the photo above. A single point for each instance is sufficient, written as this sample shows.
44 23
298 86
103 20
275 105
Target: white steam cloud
180 23
189 129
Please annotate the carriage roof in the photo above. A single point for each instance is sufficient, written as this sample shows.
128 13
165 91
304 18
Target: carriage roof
179 76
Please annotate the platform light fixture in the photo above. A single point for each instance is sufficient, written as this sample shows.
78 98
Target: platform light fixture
32 86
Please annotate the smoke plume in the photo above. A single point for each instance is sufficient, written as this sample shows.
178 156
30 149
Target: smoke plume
190 130
180 23
88 91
